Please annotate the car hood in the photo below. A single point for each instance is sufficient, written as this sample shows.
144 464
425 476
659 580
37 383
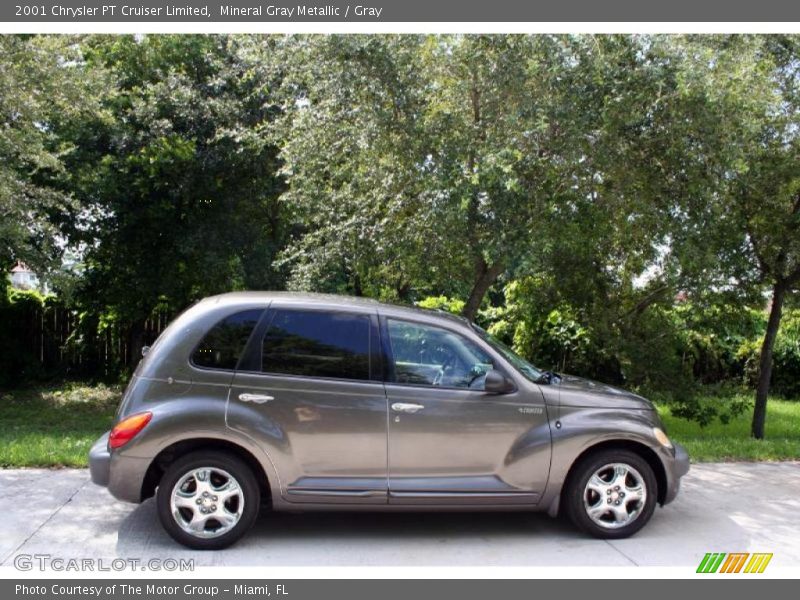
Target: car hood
577 391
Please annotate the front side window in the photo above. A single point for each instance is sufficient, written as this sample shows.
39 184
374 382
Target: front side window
428 355
317 344
224 344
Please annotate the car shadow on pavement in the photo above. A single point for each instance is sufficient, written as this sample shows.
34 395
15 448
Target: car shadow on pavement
355 538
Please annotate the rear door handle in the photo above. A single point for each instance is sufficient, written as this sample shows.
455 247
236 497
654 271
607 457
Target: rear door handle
257 398
406 407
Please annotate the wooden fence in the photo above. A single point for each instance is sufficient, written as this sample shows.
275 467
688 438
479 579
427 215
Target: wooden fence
53 337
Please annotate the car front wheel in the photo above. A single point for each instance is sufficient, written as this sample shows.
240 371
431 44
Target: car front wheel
207 500
611 494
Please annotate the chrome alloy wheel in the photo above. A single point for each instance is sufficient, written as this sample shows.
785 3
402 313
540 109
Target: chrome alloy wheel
615 495
207 502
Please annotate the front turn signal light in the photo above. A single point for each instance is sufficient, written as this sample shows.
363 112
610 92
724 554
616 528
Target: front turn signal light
662 437
124 431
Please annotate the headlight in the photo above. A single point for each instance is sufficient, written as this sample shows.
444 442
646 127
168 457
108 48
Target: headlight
662 437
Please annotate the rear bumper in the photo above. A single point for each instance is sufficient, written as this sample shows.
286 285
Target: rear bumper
676 468
122 475
100 461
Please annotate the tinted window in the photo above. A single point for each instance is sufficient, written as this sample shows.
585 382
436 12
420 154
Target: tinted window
426 355
317 344
223 345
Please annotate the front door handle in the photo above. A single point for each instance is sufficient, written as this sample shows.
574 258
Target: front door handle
257 398
406 407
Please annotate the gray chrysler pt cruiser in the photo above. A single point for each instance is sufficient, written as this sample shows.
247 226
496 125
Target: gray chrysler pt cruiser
314 402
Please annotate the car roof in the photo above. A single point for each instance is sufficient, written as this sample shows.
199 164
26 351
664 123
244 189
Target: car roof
329 301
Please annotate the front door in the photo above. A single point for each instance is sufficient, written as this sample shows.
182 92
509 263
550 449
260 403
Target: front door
315 401
450 442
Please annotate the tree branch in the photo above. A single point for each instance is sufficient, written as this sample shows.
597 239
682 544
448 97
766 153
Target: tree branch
762 263
646 301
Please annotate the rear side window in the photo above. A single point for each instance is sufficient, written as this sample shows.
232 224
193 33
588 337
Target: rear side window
224 344
317 344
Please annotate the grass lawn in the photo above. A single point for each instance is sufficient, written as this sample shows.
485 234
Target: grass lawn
55 427
719 442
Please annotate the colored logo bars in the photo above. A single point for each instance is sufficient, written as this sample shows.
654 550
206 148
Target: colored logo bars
734 562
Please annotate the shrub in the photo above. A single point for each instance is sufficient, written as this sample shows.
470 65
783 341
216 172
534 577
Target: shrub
713 337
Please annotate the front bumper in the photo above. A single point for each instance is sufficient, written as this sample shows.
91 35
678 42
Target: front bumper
681 461
676 468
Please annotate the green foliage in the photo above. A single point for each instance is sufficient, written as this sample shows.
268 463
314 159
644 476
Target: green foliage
786 372
179 187
705 411
43 79
437 163
451 305
666 352
713 337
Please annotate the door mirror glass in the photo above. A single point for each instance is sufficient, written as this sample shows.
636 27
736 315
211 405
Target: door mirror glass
497 383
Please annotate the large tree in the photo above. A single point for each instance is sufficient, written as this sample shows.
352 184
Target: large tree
603 248
179 190
424 159
42 79
741 95
766 194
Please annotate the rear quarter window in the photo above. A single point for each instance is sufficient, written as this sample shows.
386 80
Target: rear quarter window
223 345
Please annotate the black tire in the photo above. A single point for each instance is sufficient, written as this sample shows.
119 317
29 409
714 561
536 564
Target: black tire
213 459
576 487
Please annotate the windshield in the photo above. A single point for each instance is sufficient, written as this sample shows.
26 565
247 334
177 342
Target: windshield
519 363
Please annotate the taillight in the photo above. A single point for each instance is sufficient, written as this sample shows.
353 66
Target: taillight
124 431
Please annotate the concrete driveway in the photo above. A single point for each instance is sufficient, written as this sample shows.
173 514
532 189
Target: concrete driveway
741 507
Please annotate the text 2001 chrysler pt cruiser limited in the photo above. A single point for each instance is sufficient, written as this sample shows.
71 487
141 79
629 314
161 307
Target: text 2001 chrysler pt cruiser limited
308 402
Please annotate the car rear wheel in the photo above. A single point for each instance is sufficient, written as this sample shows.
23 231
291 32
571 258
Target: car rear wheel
207 500
611 494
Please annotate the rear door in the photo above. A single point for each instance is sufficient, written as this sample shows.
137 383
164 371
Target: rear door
311 393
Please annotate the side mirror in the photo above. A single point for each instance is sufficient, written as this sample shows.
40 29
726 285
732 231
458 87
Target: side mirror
497 383
145 350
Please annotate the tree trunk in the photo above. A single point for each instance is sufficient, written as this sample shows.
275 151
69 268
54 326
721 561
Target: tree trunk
484 278
403 291
765 366
357 289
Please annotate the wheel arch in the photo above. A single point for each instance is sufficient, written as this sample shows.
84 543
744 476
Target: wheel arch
177 449
638 448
